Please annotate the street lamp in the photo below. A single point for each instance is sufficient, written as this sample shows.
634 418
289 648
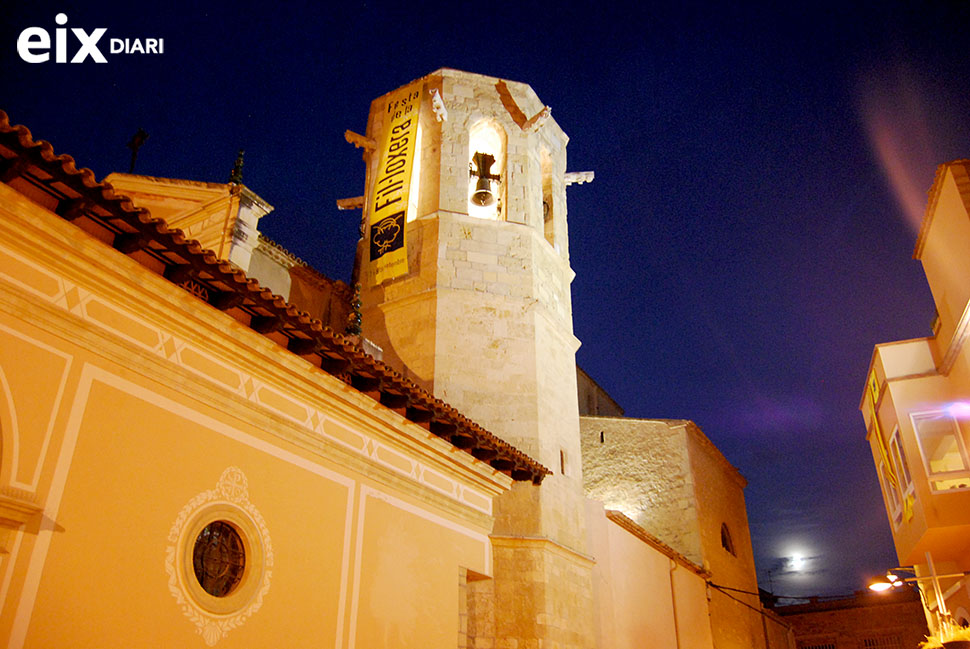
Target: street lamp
891 580
894 581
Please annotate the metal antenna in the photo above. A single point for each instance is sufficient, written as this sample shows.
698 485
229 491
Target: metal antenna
134 144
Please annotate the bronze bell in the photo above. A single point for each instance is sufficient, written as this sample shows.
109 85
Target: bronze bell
483 195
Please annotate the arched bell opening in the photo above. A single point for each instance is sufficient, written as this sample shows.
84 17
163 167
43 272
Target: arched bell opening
486 170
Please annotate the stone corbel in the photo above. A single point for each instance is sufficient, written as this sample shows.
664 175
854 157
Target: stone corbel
535 122
578 177
359 141
355 203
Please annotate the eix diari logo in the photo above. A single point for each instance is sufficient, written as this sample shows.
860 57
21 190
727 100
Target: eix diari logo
34 44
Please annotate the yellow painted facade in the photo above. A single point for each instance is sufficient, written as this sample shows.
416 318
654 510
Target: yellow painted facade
916 407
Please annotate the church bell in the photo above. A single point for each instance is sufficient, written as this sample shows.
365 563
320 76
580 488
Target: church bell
483 194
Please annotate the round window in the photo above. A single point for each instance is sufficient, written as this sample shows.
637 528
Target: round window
219 558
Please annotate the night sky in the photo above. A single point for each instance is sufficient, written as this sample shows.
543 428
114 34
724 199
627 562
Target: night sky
760 175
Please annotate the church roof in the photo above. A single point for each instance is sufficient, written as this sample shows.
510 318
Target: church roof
55 182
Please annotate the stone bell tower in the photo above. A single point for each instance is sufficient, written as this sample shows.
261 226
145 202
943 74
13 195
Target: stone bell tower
475 306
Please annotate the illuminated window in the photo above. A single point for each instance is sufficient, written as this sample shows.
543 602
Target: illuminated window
549 208
943 451
726 541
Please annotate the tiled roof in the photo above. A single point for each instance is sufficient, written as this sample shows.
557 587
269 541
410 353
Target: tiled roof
75 195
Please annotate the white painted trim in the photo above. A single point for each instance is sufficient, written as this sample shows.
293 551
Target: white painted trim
55 408
358 551
38 557
9 561
15 427
345 566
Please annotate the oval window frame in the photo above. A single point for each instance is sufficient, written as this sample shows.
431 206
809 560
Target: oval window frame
252 578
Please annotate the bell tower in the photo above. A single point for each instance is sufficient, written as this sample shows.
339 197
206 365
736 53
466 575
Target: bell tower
465 284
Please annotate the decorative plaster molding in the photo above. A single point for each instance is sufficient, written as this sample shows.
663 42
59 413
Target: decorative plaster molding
232 490
16 507
233 367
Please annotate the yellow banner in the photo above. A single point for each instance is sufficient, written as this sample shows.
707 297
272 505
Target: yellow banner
877 431
388 251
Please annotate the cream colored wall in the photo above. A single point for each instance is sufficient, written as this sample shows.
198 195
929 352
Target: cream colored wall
779 631
944 258
123 398
264 268
643 598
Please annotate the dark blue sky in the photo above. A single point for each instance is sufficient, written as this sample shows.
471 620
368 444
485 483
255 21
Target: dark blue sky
739 253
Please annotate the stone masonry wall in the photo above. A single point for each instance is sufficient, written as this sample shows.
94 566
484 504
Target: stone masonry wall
866 620
641 468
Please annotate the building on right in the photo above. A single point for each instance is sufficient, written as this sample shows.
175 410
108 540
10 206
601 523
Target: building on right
916 407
